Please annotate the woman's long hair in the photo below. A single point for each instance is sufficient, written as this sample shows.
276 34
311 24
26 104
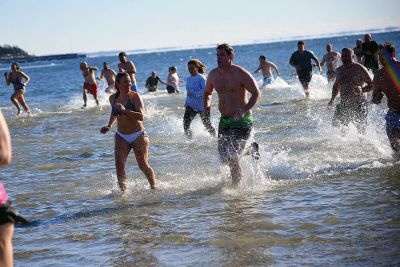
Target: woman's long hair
118 78
199 65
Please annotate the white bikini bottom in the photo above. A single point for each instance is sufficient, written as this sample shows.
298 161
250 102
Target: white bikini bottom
131 137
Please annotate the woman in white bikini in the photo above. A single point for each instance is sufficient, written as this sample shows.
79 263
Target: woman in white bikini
128 111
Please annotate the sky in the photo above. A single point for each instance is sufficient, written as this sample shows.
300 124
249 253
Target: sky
43 27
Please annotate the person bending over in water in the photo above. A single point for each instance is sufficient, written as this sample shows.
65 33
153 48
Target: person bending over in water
109 75
15 77
266 69
89 85
128 110
232 83
195 85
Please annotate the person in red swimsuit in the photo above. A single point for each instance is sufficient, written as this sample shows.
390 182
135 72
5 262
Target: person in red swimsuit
89 85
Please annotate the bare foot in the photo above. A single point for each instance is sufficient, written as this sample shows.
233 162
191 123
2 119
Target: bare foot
19 112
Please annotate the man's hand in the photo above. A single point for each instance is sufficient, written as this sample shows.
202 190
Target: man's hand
238 114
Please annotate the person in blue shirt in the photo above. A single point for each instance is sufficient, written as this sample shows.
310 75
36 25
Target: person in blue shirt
195 85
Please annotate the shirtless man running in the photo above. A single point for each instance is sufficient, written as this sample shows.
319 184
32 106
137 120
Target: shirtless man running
352 81
385 83
128 66
232 83
89 85
266 69
331 59
109 75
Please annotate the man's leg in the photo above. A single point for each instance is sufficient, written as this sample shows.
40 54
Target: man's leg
84 98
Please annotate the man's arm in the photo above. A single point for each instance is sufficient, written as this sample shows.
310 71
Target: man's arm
292 62
161 81
366 78
208 92
92 68
377 92
258 69
5 142
276 69
323 61
335 91
250 84
316 61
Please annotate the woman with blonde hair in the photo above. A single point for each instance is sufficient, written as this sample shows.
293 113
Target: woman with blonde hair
195 85
128 110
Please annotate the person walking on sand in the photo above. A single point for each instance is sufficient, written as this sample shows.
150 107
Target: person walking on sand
301 60
232 84
15 78
266 69
89 84
128 110
109 75
195 85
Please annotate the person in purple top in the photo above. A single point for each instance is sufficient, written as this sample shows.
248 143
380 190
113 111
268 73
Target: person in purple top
195 85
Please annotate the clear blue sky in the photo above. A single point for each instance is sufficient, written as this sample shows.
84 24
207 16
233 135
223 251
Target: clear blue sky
62 26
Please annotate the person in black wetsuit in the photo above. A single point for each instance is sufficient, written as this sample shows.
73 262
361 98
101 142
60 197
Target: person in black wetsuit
369 53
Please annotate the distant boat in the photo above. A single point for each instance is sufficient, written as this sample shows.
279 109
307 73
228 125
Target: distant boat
41 58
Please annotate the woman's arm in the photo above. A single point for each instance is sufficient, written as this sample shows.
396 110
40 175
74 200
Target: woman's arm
27 79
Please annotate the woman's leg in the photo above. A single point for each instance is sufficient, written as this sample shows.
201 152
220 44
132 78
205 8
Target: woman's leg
21 100
122 149
141 148
206 118
13 99
187 120
6 249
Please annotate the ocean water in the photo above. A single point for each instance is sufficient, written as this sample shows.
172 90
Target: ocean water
320 196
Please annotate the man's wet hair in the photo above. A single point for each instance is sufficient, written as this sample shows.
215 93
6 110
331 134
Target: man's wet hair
300 43
263 57
228 49
122 54
346 49
388 47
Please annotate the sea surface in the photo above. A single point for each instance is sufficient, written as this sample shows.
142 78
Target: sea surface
320 196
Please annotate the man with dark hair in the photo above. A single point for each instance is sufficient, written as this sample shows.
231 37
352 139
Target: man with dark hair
352 81
386 81
301 60
232 84
128 66
152 82
266 69
369 53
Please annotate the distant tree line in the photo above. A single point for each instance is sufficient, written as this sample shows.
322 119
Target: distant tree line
8 51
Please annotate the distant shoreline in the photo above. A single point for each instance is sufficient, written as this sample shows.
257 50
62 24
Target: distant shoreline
41 58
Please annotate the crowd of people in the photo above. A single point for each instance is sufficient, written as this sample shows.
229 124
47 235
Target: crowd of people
233 85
